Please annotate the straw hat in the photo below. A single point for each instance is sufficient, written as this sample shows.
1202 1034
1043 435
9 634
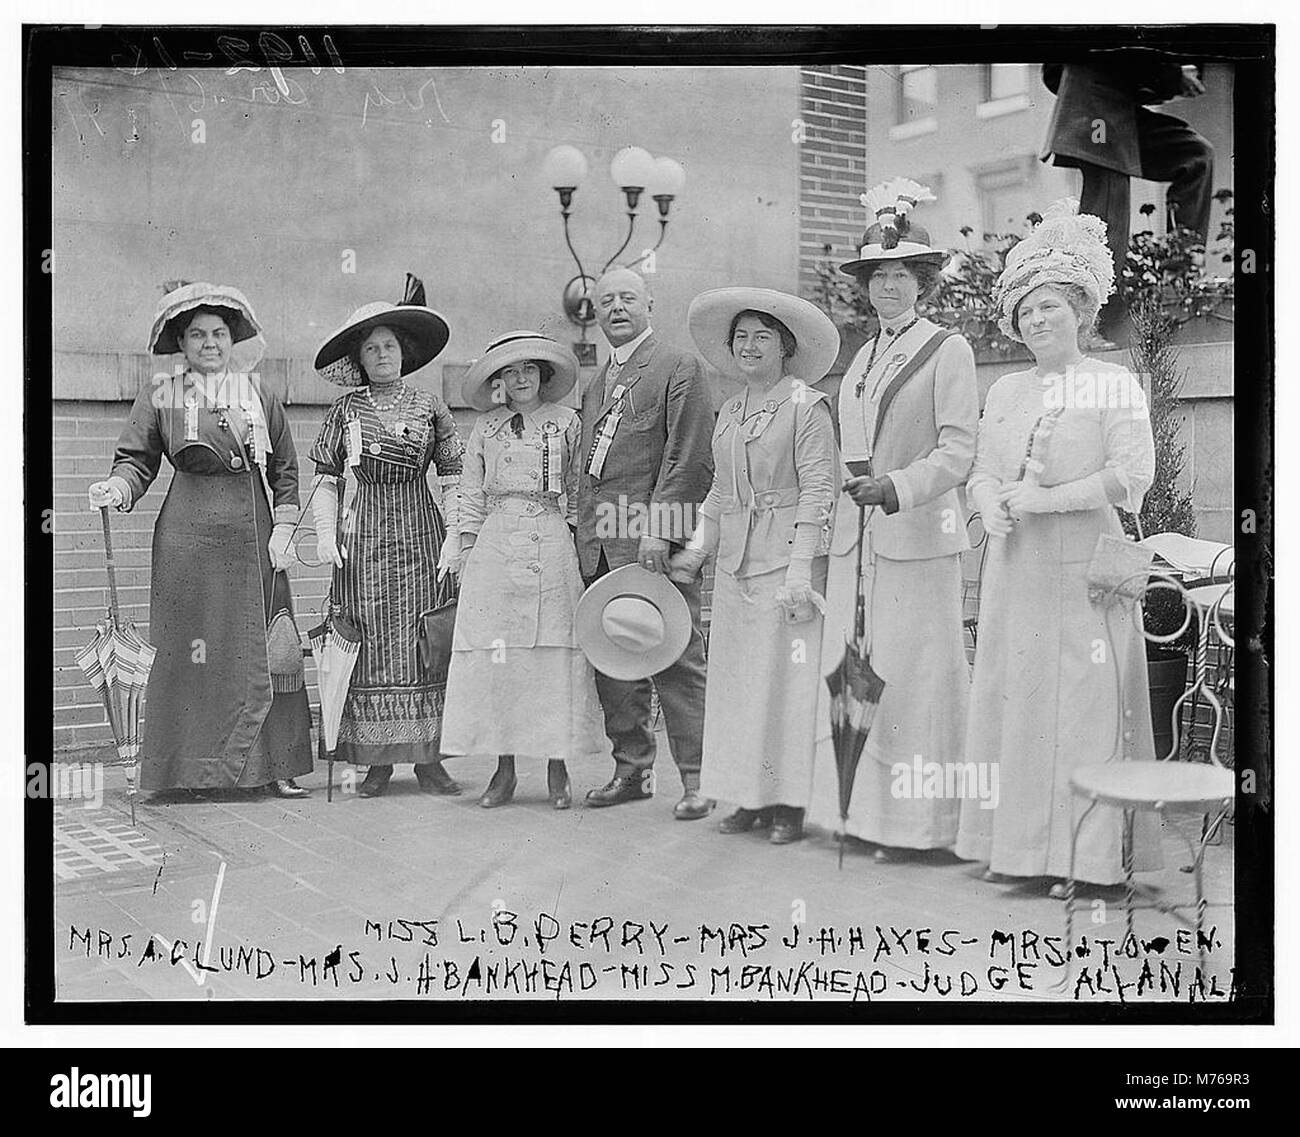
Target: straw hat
1066 247
632 623
517 347
711 313
892 236
425 329
181 298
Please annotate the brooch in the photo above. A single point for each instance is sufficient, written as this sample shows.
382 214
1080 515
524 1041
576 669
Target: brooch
550 427
770 406
376 449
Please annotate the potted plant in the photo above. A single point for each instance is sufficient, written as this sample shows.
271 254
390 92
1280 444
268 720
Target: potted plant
1166 508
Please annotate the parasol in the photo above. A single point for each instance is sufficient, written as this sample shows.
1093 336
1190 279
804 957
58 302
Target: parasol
116 664
335 645
855 694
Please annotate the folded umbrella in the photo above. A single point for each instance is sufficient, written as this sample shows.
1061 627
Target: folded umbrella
116 664
335 645
855 691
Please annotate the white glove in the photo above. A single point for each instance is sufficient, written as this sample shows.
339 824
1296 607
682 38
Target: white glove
324 508
995 519
278 547
451 560
112 492
798 600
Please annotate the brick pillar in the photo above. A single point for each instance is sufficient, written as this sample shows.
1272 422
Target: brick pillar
832 165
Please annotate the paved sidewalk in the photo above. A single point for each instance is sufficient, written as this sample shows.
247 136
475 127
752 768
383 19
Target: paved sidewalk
417 897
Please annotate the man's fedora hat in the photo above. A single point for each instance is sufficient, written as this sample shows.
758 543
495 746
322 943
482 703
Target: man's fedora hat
632 623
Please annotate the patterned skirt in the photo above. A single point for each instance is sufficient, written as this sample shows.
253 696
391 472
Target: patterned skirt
389 579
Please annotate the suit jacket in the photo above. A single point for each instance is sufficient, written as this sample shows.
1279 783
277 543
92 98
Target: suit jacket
924 443
1094 121
660 463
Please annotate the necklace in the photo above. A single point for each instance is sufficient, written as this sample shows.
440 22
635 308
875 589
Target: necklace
386 406
875 344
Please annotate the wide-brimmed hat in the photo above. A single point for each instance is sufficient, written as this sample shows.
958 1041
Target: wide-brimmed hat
891 234
182 297
1066 247
632 623
426 331
517 347
817 340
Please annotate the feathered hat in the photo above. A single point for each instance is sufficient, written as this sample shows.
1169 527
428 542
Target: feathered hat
1066 247
892 236
427 330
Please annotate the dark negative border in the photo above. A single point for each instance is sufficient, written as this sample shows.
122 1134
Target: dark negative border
1250 47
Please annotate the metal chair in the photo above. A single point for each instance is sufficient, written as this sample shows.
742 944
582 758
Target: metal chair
1165 786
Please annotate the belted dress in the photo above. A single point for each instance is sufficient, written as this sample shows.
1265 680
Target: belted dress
215 716
774 466
518 682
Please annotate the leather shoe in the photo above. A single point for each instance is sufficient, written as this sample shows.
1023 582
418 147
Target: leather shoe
787 826
618 789
434 779
287 787
692 807
375 782
743 820
498 793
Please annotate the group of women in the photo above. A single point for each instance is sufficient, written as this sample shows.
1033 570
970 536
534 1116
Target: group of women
812 511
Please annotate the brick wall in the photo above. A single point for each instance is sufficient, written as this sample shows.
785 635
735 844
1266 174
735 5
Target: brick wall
832 165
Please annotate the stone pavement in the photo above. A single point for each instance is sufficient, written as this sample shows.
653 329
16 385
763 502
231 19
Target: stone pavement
416 897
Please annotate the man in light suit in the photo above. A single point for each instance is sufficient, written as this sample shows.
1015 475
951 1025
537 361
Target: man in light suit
647 426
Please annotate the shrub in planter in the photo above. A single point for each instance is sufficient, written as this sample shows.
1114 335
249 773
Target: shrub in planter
1167 507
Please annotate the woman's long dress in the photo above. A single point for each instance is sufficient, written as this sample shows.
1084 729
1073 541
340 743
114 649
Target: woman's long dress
394 706
774 467
212 718
1059 681
519 683
907 790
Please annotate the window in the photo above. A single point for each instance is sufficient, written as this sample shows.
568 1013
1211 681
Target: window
918 93
1007 194
1005 81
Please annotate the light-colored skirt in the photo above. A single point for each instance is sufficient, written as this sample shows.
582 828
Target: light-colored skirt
1053 690
518 682
761 699
915 631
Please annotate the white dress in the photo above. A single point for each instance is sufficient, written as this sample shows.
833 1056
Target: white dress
518 681
1059 682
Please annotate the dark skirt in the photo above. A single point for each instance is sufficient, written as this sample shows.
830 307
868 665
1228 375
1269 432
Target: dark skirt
212 720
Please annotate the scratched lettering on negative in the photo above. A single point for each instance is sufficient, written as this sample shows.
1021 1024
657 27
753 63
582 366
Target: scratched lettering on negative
536 956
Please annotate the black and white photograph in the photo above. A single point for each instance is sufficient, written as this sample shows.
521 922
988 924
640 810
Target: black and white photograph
655 523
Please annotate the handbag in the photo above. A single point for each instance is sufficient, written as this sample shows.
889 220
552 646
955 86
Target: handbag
284 653
433 639
1118 563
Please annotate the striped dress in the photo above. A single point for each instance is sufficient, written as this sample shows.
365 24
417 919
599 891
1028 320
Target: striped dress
392 541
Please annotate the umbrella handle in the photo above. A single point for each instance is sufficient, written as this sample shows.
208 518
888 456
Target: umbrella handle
112 568
859 603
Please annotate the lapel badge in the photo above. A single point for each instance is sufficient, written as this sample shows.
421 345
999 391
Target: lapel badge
770 406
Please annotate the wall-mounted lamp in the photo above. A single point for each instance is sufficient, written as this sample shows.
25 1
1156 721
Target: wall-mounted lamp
635 172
